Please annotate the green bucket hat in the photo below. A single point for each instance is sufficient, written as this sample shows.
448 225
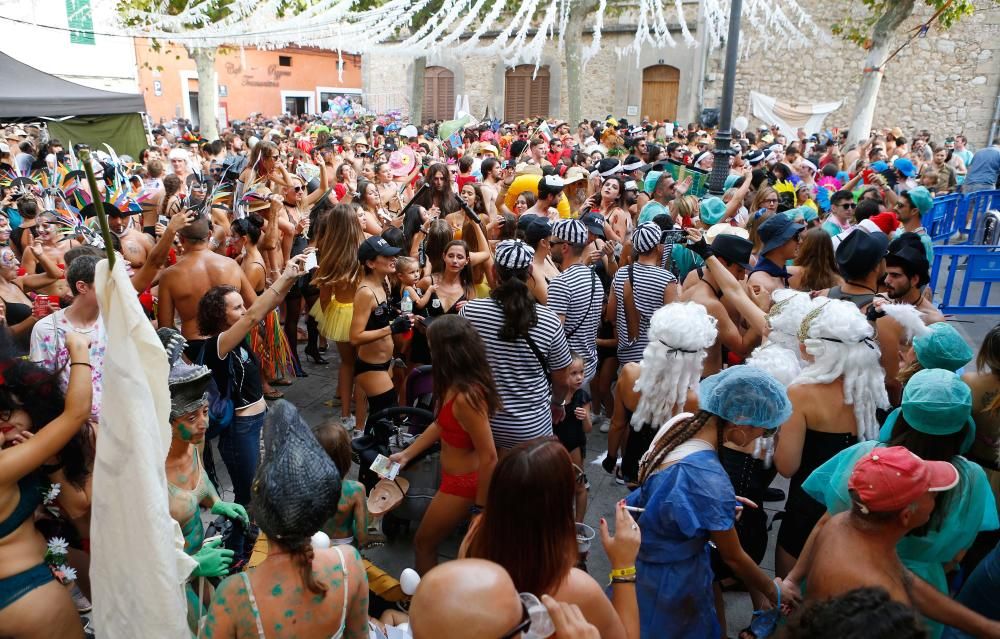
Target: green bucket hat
730 182
943 348
712 210
935 402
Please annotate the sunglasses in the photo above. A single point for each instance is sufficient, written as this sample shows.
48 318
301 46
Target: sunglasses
848 205
770 201
522 626
298 189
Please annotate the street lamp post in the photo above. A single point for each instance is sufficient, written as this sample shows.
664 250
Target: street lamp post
724 135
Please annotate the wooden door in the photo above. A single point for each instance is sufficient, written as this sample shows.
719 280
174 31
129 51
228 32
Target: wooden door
439 94
660 85
526 96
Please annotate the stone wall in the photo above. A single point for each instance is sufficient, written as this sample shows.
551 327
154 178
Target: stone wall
945 82
948 81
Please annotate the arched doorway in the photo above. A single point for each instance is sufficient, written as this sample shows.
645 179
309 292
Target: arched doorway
439 94
660 84
526 97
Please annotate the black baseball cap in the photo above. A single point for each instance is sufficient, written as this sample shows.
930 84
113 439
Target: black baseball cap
594 222
375 246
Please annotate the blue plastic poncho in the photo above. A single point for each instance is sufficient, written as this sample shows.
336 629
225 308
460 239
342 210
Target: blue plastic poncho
970 509
684 503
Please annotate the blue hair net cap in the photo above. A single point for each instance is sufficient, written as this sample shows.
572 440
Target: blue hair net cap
942 347
935 402
745 396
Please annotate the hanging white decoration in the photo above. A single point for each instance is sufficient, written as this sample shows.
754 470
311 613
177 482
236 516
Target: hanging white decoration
518 35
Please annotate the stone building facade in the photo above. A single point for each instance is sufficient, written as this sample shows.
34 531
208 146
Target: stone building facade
947 81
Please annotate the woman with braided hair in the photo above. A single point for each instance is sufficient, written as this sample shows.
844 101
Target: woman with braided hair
687 500
834 400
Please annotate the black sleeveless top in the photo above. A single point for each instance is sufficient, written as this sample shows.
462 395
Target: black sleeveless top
380 316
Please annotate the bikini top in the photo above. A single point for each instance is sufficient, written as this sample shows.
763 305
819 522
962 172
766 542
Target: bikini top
16 312
451 431
436 306
30 498
256 611
381 315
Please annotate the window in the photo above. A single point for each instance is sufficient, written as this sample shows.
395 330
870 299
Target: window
526 96
81 22
284 60
439 94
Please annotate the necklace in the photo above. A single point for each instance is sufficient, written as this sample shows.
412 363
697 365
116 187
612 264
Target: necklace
867 288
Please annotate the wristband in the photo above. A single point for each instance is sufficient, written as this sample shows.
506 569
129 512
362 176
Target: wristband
476 509
81 364
622 572
623 580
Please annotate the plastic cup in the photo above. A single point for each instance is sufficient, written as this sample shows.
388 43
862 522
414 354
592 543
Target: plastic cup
541 622
584 535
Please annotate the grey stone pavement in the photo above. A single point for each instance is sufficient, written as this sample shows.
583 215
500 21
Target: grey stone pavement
309 395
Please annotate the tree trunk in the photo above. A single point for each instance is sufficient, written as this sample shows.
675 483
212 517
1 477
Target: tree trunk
419 67
208 92
573 53
871 78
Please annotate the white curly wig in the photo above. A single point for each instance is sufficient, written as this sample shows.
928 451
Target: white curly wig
909 318
782 363
679 334
788 307
839 339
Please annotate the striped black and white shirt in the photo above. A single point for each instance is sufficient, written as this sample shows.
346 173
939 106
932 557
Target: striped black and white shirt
524 391
577 294
650 282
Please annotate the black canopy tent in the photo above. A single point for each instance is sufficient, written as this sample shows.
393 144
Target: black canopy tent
73 112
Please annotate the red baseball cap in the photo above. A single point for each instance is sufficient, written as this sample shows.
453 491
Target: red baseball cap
889 479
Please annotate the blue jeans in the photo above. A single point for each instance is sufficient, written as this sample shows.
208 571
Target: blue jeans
239 446
980 592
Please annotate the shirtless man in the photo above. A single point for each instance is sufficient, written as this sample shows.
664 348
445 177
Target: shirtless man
700 286
550 190
892 491
490 188
54 246
780 243
135 245
184 284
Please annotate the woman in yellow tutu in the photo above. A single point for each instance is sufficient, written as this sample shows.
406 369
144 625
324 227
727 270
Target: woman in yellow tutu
267 339
338 237
481 273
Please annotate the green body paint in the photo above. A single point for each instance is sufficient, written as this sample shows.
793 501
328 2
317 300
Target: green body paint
276 591
289 614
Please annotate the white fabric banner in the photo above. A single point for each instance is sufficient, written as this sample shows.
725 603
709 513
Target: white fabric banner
790 116
138 566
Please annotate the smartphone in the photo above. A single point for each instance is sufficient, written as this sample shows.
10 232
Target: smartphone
311 262
505 164
384 468
674 236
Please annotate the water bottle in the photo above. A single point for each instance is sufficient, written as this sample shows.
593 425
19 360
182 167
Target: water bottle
406 306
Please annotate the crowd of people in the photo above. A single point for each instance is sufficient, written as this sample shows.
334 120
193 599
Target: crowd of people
559 280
